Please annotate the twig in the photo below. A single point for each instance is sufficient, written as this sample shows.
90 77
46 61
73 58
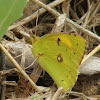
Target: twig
36 73
66 7
31 63
94 12
11 83
34 15
75 24
84 97
67 19
88 14
11 35
57 93
91 53
84 16
91 34
3 95
37 18
55 13
59 24
19 68
8 71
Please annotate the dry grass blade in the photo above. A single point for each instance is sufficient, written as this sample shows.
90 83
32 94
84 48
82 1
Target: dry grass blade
34 15
55 13
57 93
91 34
91 53
19 68
59 24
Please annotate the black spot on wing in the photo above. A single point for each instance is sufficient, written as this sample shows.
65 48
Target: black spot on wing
58 41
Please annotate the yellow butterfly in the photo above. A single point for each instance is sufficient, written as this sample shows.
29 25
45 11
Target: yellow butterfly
60 55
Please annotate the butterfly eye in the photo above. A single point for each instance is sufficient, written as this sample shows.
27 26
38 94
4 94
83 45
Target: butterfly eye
59 58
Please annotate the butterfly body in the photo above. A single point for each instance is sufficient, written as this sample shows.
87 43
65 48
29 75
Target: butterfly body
60 57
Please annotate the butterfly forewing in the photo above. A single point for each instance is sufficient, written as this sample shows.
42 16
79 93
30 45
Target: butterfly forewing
61 57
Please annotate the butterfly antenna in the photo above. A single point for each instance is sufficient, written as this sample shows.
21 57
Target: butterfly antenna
37 21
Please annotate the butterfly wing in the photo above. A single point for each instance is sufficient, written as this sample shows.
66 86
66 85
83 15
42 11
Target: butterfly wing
60 56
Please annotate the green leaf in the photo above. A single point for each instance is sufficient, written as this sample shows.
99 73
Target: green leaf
10 11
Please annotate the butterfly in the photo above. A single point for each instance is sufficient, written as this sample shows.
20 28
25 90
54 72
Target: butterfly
60 55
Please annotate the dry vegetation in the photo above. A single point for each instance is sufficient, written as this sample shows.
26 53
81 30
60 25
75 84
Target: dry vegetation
79 16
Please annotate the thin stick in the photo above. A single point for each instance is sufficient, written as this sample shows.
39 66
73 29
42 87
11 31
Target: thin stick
31 63
71 22
19 68
34 15
3 95
88 14
37 18
55 13
57 93
94 12
59 24
24 21
91 53
36 73
91 34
